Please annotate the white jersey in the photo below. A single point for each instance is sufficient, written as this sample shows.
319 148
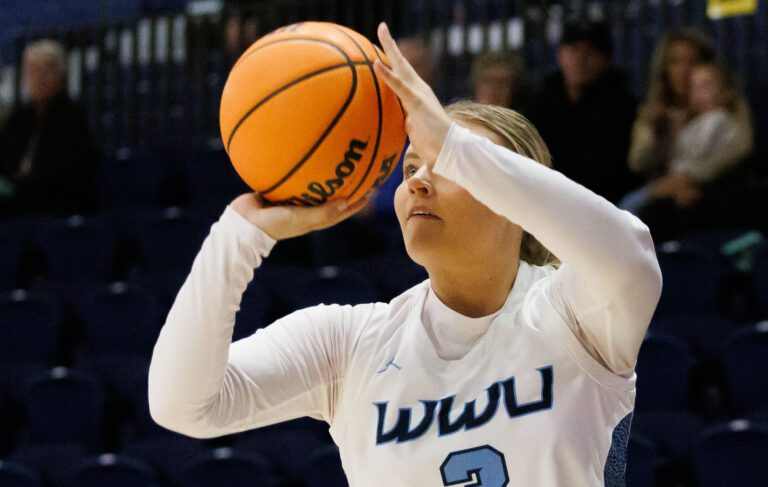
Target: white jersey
538 394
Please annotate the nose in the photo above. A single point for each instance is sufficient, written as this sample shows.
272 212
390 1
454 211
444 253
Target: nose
421 181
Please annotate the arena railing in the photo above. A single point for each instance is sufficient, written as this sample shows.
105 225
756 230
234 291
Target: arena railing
158 79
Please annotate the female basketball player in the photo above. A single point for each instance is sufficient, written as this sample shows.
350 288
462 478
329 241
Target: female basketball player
496 370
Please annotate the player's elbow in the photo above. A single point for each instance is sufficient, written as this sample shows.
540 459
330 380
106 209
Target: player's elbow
176 421
173 415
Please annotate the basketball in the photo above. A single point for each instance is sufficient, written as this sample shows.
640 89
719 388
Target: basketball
304 118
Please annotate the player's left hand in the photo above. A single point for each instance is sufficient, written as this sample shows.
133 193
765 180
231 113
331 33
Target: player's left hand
426 121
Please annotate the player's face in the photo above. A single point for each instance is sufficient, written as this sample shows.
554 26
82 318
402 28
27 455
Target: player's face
442 222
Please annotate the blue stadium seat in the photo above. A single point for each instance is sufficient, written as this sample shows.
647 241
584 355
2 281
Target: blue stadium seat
673 432
213 181
225 467
29 327
732 454
392 274
120 372
704 332
350 240
132 181
171 238
78 247
329 285
692 280
164 284
55 462
286 444
761 279
663 368
122 318
168 455
14 377
135 385
65 405
110 470
15 475
642 462
745 360
324 468
5 422
10 252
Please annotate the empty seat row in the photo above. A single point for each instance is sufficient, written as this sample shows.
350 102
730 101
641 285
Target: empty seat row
86 249
701 279
200 467
665 382
730 453
126 316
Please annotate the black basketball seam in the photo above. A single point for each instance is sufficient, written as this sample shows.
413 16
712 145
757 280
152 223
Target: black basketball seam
283 88
381 115
278 41
352 91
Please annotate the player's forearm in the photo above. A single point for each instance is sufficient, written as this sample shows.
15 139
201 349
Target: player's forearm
190 357
608 246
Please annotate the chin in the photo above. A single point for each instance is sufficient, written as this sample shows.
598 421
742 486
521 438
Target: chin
421 250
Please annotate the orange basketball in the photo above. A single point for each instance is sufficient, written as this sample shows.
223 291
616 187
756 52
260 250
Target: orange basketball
304 118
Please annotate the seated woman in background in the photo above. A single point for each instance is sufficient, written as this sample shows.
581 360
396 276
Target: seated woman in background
708 146
665 110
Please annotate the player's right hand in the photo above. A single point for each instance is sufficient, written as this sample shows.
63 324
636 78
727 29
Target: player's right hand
282 222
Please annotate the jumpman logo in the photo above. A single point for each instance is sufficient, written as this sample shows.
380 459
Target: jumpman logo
391 362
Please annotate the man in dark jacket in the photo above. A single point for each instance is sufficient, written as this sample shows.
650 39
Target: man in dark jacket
47 158
585 112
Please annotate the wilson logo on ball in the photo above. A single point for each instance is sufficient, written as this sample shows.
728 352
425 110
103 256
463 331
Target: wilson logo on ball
317 192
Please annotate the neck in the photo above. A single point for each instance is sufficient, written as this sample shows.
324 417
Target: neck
477 289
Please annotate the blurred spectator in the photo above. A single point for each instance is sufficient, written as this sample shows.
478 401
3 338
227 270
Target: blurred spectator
47 158
585 112
707 147
498 78
239 33
665 110
417 51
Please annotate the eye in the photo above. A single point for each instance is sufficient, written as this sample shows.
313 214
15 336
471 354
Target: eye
410 170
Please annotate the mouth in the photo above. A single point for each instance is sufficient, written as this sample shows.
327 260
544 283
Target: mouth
422 213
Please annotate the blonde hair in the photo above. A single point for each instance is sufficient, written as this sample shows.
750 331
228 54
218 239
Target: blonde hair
521 136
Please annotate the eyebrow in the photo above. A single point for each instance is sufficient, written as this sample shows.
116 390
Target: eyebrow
410 156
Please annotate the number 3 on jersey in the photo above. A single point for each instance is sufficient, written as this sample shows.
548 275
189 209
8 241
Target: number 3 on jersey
485 461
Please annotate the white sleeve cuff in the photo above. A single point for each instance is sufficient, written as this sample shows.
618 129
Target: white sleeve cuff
236 224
